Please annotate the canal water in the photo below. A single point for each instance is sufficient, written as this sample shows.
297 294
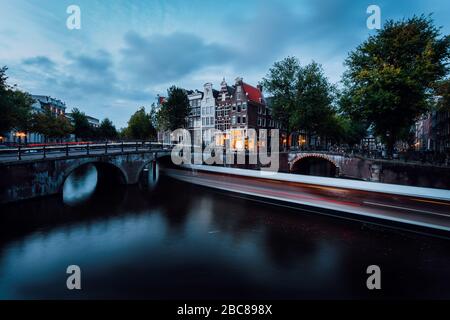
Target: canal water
165 239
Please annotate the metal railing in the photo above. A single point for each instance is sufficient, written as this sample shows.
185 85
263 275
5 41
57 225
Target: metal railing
70 149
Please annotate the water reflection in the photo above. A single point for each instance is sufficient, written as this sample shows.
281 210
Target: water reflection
80 184
175 240
150 175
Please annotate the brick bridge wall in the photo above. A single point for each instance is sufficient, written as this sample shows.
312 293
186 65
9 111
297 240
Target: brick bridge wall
347 167
28 179
385 171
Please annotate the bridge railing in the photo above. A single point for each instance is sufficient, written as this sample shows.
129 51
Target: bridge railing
68 149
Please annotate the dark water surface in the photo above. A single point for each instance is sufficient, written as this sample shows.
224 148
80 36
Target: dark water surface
175 240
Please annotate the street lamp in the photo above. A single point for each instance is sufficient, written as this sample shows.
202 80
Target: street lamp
20 135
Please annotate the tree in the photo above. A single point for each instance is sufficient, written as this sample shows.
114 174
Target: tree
353 127
154 113
123 133
22 114
3 78
281 83
315 95
302 96
443 91
390 77
107 130
50 126
61 127
140 126
6 109
81 126
42 122
161 118
15 106
344 130
176 109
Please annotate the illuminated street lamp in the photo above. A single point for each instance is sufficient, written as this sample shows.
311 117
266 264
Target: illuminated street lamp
20 135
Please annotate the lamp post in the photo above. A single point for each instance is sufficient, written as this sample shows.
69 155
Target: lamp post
20 135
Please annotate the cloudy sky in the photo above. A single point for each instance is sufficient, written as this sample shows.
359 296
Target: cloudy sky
127 51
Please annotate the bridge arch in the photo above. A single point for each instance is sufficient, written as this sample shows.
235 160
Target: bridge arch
107 172
315 164
133 174
30 178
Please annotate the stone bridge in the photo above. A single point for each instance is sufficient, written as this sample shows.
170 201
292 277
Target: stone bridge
345 166
28 179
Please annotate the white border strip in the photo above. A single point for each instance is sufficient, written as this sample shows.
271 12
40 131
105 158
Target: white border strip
427 193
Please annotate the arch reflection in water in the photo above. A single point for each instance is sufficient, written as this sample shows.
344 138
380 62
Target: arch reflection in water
150 175
80 185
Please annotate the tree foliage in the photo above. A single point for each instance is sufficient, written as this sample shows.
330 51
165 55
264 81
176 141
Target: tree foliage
315 96
174 111
49 125
140 126
15 106
107 130
82 129
443 92
281 83
390 78
302 96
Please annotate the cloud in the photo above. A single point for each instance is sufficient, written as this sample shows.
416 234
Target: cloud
89 81
163 58
83 75
40 62
77 74
145 47
275 29
99 62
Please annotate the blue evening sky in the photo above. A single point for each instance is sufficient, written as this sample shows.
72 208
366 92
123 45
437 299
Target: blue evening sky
127 51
